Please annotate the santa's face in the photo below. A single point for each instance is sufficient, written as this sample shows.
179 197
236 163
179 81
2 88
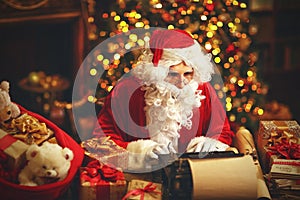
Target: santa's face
180 75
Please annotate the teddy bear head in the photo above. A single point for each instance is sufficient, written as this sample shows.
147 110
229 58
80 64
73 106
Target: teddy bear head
8 110
48 162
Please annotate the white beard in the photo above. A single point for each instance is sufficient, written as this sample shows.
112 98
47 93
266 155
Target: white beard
168 108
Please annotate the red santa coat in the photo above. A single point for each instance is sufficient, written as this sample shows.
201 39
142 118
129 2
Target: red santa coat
123 117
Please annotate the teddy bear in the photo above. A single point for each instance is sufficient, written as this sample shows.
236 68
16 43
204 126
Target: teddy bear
8 110
47 163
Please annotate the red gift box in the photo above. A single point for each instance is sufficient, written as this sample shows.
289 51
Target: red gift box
99 181
277 138
10 190
14 150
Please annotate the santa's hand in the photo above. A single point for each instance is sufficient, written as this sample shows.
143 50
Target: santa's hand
157 150
205 144
141 152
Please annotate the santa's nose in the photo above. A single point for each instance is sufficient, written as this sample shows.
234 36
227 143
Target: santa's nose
181 81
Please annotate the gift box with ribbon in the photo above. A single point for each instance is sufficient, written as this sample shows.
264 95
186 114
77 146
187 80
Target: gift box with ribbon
143 190
13 151
106 151
28 129
278 139
100 181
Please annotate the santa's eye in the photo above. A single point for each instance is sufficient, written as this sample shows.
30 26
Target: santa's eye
188 73
173 74
44 167
54 168
9 112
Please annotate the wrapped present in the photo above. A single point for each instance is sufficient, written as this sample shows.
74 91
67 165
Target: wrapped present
284 178
28 129
106 151
288 184
14 150
285 169
282 150
278 138
143 190
100 181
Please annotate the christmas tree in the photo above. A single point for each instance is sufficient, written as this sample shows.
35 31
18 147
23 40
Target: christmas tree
222 27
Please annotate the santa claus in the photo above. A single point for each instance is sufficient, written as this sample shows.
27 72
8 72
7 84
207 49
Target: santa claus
166 103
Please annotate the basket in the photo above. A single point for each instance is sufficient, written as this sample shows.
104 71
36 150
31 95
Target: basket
10 191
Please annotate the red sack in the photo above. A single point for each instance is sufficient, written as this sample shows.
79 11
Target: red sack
12 191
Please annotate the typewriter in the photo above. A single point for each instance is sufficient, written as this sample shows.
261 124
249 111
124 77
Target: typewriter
178 178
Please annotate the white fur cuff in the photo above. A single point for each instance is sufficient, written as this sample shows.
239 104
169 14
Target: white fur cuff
141 146
140 152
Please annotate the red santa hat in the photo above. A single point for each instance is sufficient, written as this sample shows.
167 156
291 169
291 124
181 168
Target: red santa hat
162 39
170 47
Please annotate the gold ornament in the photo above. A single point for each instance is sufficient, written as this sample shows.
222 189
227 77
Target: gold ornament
34 78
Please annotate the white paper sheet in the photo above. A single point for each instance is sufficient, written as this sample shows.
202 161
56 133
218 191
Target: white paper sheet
224 178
